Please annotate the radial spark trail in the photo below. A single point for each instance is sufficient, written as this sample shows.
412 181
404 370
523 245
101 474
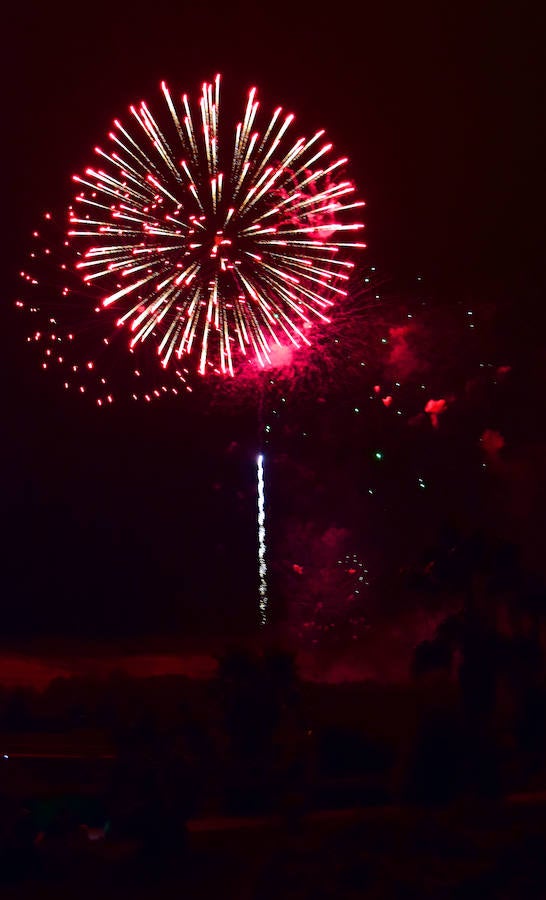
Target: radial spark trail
215 246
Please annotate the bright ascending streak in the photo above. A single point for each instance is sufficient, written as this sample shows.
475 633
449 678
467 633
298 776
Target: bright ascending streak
215 248
262 565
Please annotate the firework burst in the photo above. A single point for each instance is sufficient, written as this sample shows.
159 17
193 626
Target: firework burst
215 246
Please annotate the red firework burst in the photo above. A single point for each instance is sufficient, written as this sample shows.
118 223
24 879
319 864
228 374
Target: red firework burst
210 245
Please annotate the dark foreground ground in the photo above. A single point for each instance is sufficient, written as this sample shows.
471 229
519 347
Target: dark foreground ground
487 852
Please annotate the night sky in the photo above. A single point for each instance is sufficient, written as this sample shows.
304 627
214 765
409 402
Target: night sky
141 520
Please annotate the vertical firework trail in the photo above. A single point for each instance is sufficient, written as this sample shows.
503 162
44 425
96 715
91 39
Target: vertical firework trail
210 249
263 599
262 565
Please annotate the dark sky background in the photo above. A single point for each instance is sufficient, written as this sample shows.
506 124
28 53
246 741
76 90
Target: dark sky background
115 523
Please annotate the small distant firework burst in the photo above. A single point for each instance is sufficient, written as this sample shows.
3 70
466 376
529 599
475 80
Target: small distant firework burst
215 247
326 588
